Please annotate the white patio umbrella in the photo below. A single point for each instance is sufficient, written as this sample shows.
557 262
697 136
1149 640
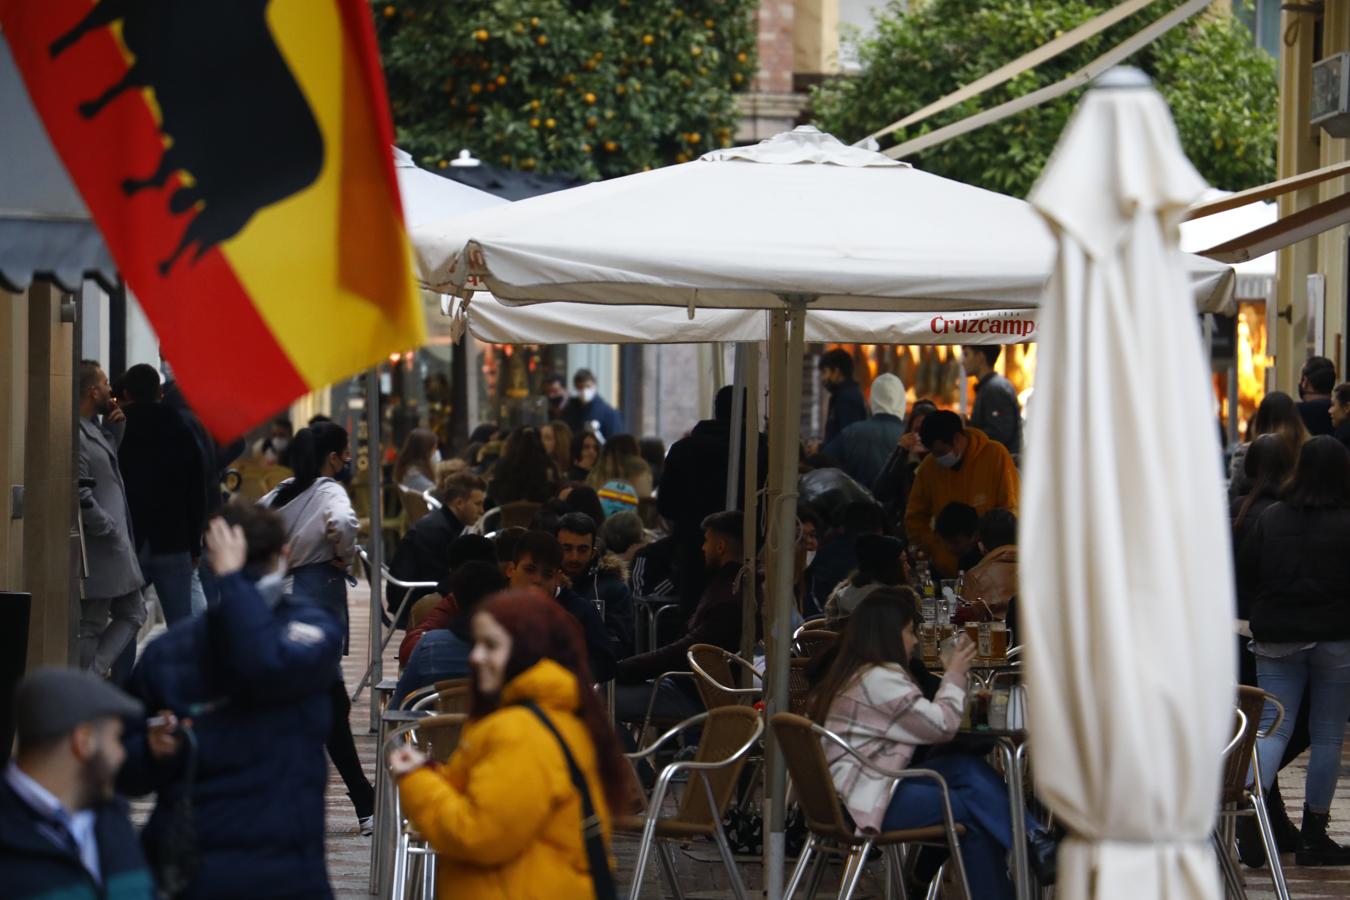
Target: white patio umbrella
1126 573
798 221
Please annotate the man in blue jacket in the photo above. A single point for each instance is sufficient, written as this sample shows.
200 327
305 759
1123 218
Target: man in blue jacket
241 788
846 398
589 407
62 832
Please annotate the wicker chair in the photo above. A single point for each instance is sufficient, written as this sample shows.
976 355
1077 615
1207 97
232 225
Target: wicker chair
716 680
811 642
1241 797
446 697
799 688
729 734
437 737
830 831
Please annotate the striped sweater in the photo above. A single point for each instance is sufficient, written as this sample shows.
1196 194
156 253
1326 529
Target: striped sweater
883 715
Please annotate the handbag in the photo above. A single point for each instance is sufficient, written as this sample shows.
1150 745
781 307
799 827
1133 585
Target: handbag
591 834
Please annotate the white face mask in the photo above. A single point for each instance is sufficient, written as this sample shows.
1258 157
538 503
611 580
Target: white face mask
272 586
436 457
587 394
947 460
279 444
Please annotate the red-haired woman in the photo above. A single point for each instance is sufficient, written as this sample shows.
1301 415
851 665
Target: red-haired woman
538 757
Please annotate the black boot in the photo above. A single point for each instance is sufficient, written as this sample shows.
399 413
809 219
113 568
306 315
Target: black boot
1315 846
1042 847
1286 832
1250 849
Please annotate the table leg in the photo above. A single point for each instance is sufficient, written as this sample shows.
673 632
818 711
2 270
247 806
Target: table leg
1021 866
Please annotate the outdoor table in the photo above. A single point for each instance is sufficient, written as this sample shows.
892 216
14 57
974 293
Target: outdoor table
381 856
1011 745
651 608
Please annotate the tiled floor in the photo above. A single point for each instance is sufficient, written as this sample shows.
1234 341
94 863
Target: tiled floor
700 872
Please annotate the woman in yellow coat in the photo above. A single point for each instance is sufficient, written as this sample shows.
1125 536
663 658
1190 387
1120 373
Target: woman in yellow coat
504 815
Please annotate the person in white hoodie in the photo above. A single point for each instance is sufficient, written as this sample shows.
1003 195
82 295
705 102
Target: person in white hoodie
321 542
862 448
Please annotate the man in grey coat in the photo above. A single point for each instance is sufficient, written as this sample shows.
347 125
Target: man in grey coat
113 607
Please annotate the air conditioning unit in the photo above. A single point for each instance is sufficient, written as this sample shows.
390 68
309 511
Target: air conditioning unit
1331 95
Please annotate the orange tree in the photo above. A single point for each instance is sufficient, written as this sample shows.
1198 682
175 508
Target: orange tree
594 89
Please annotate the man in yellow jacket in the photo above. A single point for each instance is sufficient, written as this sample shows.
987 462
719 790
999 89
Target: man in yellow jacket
964 466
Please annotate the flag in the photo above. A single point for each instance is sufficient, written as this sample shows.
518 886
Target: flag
236 157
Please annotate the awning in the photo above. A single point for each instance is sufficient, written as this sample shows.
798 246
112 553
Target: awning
45 230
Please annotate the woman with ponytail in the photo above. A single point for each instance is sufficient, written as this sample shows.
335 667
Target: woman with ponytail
321 544
538 756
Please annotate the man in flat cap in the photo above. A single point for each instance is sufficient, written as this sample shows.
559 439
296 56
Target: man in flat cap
62 832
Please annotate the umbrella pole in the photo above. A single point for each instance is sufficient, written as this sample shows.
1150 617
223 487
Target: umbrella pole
750 441
737 410
375 472
786 349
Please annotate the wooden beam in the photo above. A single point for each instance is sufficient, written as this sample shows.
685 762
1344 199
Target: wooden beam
1268 191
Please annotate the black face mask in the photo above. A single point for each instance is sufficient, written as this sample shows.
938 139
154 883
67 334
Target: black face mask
344 474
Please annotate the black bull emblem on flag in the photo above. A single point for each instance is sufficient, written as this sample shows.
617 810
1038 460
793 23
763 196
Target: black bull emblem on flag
237 122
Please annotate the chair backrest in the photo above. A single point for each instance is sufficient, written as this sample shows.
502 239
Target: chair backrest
1251 701
414 504
725 731
812 642
810 774
421 607
438 736
449 696
518 513
713 661
799 688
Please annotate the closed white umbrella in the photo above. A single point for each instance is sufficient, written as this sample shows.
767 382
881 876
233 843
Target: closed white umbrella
1126 578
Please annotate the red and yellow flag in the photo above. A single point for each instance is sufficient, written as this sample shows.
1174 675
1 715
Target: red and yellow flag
236 157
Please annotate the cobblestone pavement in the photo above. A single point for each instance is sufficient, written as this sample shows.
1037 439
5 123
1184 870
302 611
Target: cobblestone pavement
699 870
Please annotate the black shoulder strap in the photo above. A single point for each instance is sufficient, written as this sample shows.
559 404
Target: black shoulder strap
591 834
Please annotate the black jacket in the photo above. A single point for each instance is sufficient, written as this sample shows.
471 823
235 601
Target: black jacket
694 481
1316 416
1295 567
1241 531
162 468
599 645
423 555
34 866
256 682
997 413
607 581
846 407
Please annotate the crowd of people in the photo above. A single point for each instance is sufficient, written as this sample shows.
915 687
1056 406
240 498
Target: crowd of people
539 547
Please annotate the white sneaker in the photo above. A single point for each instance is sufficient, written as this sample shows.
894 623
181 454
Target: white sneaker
367 826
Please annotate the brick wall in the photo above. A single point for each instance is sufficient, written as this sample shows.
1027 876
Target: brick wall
775 47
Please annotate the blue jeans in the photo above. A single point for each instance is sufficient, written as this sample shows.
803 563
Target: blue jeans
171 574
979 800
1324 669
439 655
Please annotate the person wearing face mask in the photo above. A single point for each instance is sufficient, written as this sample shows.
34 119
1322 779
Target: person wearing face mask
321 533
963 466
62 831
588 411
236 758
555 394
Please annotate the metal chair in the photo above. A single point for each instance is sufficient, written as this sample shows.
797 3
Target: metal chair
716 681
1241 797
414 503
1221 837
437 737
447 697
729 733
653 609
830 831
799 688
816 623
408 588
813 641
